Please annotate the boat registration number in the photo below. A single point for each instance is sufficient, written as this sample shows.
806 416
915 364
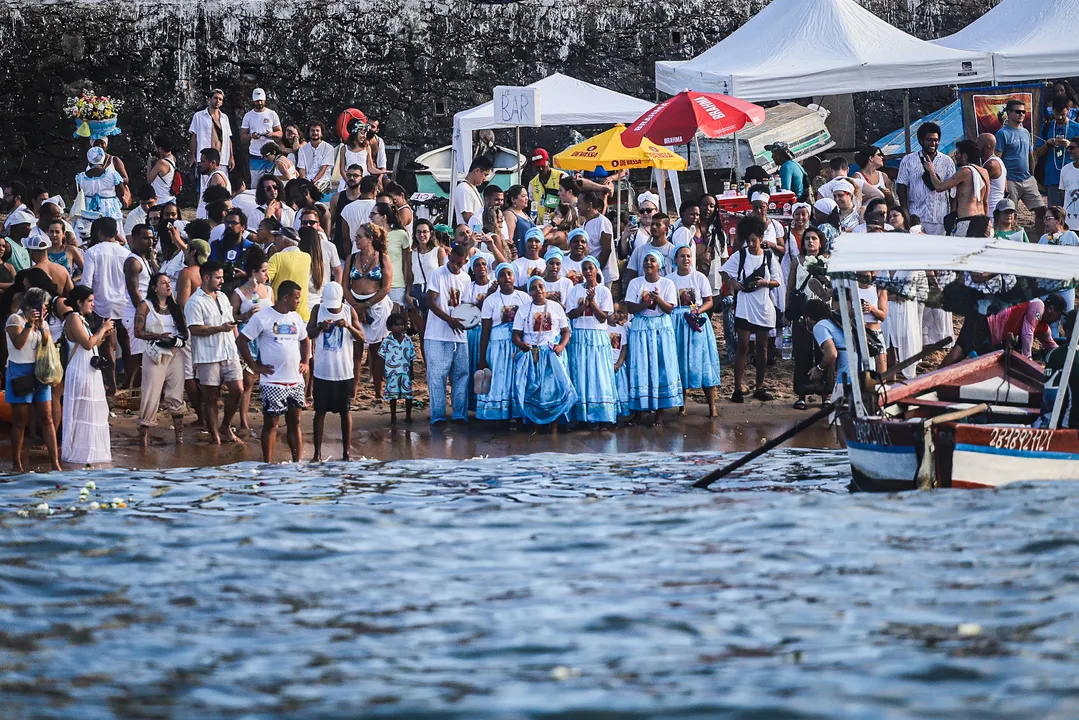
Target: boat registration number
871 434
1020 439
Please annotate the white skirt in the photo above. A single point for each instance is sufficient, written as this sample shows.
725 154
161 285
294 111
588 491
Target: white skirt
86 438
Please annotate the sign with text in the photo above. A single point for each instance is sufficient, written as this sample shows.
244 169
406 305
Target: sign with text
517 106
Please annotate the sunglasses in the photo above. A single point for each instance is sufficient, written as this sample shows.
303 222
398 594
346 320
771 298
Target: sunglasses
1020 112
646 211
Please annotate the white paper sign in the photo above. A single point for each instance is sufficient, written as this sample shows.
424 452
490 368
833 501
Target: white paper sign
517 106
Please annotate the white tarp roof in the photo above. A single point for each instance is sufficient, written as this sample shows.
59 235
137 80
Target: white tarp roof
562 101
889 251
802 48
1029 39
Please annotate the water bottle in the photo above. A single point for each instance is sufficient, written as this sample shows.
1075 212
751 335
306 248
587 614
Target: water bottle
785 349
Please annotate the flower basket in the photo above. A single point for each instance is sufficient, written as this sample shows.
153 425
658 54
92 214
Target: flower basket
95 116
95 129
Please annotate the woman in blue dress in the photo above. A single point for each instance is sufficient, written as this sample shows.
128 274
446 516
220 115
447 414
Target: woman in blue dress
476 293
543 389
103 192
654 382
698 355
496 346
589 351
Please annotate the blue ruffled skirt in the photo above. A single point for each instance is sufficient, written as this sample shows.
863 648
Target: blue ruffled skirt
698 355
590 366
498 404
473 335
654 382
544 392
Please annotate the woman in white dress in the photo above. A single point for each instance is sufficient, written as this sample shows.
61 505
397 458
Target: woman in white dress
86 410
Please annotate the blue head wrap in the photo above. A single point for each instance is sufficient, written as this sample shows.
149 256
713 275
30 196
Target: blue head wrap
553 252
472 260
505 266
590 259
534 232
533 279
575 232
659 256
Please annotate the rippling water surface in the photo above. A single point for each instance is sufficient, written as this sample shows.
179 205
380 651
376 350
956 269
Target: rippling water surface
548 586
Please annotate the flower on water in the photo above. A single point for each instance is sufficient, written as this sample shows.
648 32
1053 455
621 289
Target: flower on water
969 629
42 508
23 513
91 485
95 505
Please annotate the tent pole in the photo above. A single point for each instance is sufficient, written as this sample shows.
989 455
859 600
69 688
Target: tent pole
906 119
517 160
700 162
618 211
737 160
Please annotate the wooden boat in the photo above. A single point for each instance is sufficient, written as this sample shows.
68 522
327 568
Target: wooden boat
435 169
970 425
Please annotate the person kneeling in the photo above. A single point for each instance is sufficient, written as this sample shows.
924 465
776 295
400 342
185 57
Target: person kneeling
283 353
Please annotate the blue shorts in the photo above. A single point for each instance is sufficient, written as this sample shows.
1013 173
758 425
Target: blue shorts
41 393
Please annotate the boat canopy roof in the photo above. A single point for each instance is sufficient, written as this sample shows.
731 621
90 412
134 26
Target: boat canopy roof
855 252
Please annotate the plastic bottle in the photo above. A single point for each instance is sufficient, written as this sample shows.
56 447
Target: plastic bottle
786 351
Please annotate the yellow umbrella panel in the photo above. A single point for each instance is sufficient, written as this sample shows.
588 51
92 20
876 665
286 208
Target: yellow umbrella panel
606 150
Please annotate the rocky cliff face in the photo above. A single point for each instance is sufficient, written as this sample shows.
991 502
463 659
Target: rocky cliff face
412 63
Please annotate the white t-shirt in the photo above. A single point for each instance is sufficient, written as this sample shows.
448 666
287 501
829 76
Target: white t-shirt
334 349
279 336
211 310
558 291
754 307
357 214
636 260
639 287
202 125
541 324
466 199
572 269
260 122
500 308
692 288
28 352
619 336
578 296
1069 187
451 291
595 228
1065 238
311 159
477 294
523 268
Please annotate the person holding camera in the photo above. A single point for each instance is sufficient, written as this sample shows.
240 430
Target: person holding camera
751 273
26 330
159 324
86 438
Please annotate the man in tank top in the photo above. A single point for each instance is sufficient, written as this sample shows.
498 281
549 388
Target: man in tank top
994 166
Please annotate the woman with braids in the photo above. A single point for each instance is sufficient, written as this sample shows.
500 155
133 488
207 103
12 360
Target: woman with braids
370 277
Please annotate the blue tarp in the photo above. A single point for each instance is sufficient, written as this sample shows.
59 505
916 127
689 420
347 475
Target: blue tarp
950 119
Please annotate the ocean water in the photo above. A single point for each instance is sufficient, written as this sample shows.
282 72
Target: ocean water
543 586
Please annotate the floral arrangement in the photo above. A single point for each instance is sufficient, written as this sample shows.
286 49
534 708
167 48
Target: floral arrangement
87 106
816 266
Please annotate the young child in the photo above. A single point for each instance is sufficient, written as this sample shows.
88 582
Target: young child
398 352
616 328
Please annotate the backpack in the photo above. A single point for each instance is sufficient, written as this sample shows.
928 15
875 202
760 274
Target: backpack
177 179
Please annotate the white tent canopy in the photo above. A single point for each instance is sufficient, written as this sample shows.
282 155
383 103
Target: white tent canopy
802 48
1028 39
562 101
860 252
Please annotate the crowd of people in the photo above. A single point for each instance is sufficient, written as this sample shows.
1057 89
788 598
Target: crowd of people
526 308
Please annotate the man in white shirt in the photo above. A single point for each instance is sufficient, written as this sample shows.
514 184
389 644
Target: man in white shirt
914 193
12 196
284 350
210 128
315 159
208 313
445 341
751 273
147 199
1069 184
259 126
103 272
600 234
466 196
356 212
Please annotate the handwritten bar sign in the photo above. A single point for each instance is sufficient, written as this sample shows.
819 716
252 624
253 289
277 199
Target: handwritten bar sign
517 106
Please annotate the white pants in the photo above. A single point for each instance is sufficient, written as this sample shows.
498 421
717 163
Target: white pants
936 325
904 331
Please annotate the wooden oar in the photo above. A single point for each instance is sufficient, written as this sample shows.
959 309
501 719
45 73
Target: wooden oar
914 359
711 477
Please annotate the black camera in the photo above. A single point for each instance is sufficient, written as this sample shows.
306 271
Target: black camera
100 363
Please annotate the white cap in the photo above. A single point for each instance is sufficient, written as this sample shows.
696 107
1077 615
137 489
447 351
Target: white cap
258 94
647 196
332 295
20 216
37 240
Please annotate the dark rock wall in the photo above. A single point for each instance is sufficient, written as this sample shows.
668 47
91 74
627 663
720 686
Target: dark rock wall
412 63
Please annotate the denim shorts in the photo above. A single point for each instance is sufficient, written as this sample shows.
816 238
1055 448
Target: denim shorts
41 393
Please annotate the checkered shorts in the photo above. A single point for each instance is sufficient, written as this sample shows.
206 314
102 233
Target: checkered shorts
279 399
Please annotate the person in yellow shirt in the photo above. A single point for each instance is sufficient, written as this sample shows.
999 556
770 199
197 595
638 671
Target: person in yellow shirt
291 263
543 188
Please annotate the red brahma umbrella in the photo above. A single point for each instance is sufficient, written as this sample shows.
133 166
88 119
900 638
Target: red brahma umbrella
677 119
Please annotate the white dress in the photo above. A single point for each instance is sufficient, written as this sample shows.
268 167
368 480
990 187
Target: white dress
86 438
352 158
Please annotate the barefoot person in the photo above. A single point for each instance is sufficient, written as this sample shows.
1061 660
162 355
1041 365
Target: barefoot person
654 383
247 300
698 355
86 410
589 350
284 349
209 320
334 327
159 324
26 330
399 353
